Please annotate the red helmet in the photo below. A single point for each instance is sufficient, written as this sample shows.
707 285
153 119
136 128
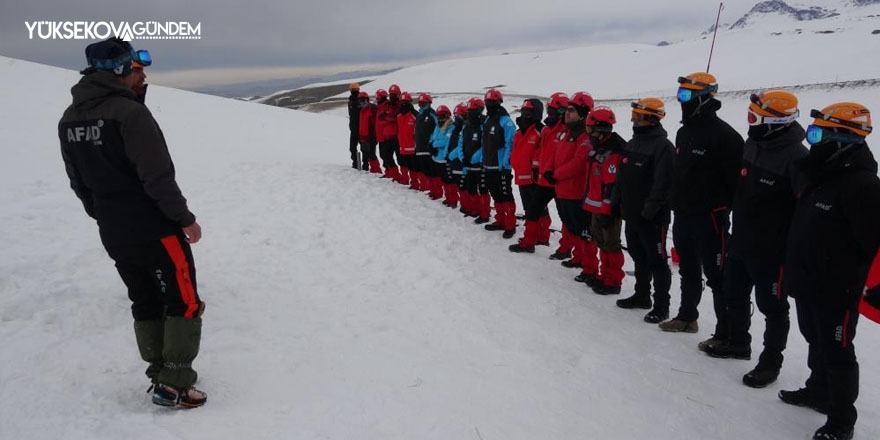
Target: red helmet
425 98
601 119
558 100
493 95
363 95
461 109
405 96
476 103
381 94
582 99
394 89
443 110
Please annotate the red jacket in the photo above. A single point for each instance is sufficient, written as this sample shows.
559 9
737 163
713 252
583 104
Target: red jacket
524 157
367 126
388 118
569 163
602 171
406 133
546 151
380 122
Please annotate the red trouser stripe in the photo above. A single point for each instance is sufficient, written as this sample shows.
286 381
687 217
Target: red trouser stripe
779 282
187 291
845 325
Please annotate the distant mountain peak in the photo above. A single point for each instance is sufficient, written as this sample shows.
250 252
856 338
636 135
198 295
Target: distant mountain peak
783 8
864 2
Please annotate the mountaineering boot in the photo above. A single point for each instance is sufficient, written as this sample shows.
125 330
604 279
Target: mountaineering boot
833 432
711 342
804 397
760 377
604 289
657 315
637 301
728 350
679 325
149 336
181 346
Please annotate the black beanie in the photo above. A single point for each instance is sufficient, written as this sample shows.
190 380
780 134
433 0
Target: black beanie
112 54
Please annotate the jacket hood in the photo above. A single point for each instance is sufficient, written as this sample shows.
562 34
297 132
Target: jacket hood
650 131
791 135
92 89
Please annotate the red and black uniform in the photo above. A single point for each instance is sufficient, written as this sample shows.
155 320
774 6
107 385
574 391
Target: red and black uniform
603 165
537 215
568 171
426 122
833 238
708 154
367 135
642 193
119 166
454 166
498 133
762 209
406 126
386 133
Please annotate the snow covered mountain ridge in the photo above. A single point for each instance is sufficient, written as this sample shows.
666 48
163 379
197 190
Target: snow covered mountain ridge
781 7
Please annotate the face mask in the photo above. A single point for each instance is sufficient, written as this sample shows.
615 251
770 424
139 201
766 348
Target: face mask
820 153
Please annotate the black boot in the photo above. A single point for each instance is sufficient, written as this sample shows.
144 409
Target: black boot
729 350
833 432
481 220
494 227
760 377
570 263
509 234
657 315
804 397
588 279
520 248
560 255
602 289
637 301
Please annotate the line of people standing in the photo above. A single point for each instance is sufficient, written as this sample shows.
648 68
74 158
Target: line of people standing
804 220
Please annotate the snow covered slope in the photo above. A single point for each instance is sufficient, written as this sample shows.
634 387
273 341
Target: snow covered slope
340 306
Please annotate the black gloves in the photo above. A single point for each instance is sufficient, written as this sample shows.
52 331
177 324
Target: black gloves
433 150
549 176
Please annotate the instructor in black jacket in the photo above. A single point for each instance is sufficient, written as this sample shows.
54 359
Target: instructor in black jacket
833 239
708 153
762 210
119 167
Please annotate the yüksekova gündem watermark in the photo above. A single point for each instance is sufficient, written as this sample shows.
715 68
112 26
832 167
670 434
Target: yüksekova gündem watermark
101 30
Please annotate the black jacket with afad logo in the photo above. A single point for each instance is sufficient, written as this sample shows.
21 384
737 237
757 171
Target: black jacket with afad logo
766 194
835 230
645 178
118 163
708 153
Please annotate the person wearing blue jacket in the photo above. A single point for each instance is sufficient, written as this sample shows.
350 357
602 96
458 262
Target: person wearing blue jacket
426 121
498 132
439 147
454 169
470 145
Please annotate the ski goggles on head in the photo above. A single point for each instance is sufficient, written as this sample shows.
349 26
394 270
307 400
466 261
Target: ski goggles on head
816 114
777 118
817 135
653 111
685 95
142 57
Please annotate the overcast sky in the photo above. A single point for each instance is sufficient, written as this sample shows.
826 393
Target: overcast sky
269 39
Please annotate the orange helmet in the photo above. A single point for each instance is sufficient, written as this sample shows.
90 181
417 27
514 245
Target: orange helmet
649 106
846 115
773 107
354 86
696 85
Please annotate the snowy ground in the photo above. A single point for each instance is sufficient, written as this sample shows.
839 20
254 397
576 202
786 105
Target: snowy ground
341 305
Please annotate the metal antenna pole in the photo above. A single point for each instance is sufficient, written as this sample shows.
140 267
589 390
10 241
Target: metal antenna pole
717 19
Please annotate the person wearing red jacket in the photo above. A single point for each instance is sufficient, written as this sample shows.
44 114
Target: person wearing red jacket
386 145
602 167
406 138
367 132
567 172
387 120
537 229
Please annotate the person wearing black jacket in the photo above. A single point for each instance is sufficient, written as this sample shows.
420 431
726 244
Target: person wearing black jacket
426 121
118 164
471 141
833 239
498 133
762 209
354 117
708 153
455 175
642 193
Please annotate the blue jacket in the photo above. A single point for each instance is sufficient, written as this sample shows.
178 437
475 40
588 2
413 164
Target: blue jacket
498 132
440 141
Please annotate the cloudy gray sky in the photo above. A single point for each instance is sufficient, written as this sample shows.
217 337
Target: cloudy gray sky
256 40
